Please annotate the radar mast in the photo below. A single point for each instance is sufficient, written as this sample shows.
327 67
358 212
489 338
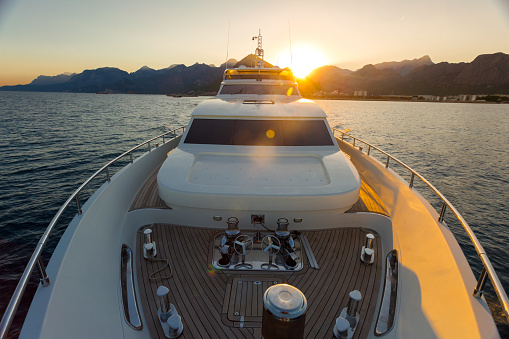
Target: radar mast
259 49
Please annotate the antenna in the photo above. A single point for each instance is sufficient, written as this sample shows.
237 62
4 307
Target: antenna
259 49
227 47
290 37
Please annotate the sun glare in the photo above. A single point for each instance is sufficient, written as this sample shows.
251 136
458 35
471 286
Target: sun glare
305 59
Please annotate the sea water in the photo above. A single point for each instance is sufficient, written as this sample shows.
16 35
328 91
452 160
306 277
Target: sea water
51 142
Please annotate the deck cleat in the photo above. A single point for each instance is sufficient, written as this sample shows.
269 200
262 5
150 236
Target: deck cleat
367 252
149 247
350 313
168 315
175 326
341 328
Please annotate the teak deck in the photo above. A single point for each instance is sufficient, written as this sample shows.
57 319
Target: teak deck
148 197
211 302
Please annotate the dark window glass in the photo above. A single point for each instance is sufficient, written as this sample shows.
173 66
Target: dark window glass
259 89
259 132
211 131
306 133
234 89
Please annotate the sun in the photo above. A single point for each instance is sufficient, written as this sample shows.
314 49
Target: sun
304 59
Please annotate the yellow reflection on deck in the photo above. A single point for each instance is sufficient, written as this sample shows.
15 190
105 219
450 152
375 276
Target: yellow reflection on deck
270 134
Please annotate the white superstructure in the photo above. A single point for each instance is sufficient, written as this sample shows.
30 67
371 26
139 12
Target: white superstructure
244 149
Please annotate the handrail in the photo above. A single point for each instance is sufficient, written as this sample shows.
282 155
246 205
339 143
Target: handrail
10 312
487 267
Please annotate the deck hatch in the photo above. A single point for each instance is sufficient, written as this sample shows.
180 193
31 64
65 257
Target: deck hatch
245 298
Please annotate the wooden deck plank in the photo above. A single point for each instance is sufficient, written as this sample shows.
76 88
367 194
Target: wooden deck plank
181 302
181 285
349 285
369 201
352 257
333 278
206 302
201 295
345 275
148 195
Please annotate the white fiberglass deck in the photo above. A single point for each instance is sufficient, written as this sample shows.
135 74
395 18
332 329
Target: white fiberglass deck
252 171
265 181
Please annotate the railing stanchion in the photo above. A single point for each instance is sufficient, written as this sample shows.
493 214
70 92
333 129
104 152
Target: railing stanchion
163 139
411 180
131 156
149 149
387 162
480 284
442 212
78 203
108 173
342 136
369 149
42 273
353 142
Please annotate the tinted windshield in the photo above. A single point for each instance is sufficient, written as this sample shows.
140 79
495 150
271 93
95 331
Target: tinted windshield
259 89
259 132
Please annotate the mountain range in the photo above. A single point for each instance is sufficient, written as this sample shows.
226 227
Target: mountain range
486 74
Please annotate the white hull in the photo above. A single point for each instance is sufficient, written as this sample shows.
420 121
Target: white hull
84 298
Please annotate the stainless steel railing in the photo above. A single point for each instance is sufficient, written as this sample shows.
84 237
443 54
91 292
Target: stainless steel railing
36 256
488 269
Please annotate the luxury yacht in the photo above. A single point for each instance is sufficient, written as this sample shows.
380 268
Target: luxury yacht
257 220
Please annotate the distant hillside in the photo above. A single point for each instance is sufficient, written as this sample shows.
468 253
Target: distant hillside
406 66
172 80
487 74
52 80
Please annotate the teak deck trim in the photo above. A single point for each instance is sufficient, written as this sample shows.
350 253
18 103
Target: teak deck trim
148 195
204 297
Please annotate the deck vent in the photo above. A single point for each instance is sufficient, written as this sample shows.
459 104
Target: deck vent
284 312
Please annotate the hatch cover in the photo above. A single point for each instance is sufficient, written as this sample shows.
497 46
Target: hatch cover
243 301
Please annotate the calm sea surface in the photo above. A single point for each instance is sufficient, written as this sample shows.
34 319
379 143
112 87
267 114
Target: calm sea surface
51 142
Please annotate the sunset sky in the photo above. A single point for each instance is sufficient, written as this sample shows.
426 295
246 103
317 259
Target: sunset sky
43 37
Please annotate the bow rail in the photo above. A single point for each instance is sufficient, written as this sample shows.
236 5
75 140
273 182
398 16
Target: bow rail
487 270
36 259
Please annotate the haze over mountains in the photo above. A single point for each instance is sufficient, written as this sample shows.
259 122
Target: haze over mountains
486 74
